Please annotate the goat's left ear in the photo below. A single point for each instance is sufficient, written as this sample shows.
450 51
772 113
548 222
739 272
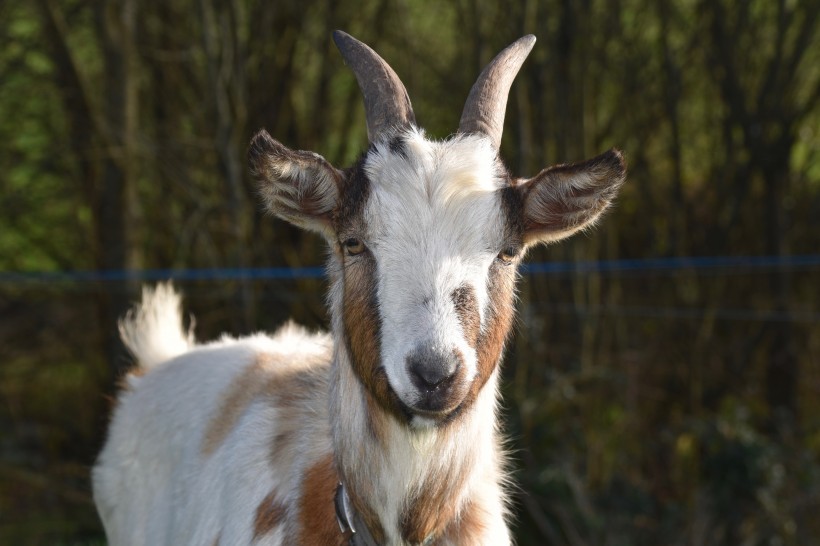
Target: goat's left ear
300 187
564 199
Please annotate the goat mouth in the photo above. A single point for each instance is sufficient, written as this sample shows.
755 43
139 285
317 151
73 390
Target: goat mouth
438 418
437 404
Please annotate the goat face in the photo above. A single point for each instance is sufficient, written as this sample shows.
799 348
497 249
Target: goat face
424 249
426 237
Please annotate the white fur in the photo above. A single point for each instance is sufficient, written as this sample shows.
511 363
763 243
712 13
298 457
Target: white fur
152 484
151 332
435 224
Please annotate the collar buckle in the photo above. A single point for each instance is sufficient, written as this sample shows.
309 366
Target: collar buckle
344 512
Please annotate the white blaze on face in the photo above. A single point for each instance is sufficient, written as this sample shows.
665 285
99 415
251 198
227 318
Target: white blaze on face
434 224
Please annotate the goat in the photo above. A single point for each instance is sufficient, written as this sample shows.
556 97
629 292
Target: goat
384 431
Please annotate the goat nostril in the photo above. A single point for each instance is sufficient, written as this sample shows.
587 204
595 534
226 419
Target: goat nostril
430 370
426 379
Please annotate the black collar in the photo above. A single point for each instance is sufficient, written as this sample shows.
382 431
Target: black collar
350 524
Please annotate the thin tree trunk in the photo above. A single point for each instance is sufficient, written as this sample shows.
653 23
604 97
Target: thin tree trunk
116 204
223 35
672 92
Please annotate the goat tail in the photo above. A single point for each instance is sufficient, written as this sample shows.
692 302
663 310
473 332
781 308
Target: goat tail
152 331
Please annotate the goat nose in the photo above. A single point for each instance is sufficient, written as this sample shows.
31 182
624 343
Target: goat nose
430 369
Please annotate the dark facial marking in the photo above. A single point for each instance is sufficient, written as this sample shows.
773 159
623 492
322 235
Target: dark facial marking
362 333
466 304
501 289
489 340
354 195
512 204
398 145
360 313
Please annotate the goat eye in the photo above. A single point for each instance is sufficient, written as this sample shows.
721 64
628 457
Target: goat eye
508 254
353 246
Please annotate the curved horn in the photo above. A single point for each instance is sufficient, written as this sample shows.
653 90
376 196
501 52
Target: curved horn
386 103
487 103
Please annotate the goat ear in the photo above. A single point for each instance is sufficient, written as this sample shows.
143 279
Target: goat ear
564 199
297 186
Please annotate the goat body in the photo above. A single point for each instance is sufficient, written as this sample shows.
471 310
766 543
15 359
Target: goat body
245 441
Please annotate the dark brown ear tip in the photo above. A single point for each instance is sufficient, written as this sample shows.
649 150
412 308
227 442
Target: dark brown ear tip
261 146
615 158
261 138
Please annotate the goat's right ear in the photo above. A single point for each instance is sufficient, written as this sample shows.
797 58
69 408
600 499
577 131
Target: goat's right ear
300 187
564 199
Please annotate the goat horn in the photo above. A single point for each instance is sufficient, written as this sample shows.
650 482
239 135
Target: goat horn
386 103
485 107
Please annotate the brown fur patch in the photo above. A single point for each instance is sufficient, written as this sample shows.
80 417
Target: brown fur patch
269 514
250 384
265 377
360 312
429 513
491 341
376 425
366 513
466 304
468 527
362 330
317 515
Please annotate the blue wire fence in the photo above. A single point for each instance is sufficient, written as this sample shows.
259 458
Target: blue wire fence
730 264
701 265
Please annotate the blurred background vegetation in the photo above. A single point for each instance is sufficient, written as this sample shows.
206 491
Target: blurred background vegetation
672 401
